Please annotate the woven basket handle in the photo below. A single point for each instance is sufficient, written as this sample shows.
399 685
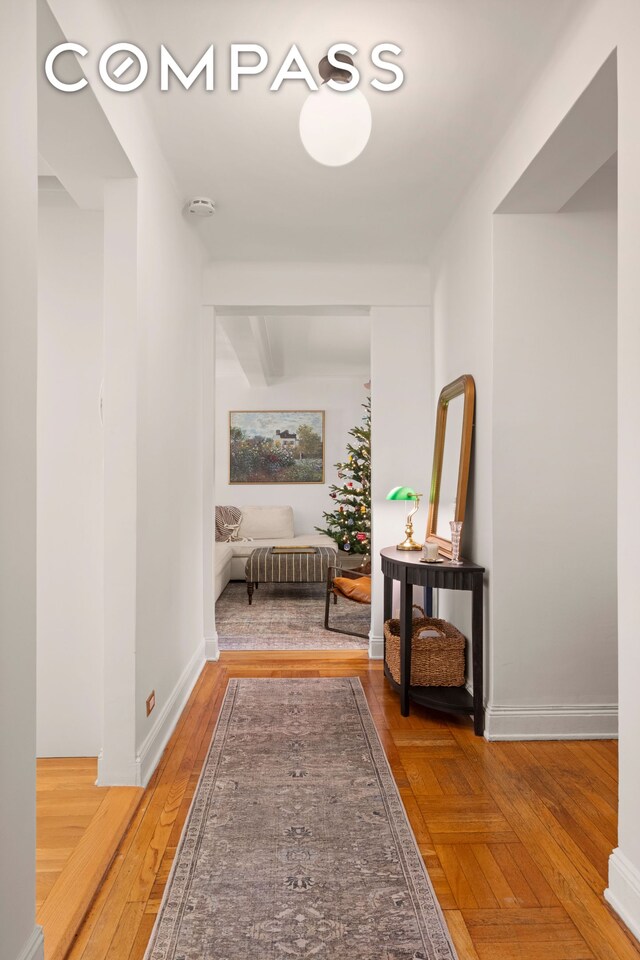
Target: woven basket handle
416 606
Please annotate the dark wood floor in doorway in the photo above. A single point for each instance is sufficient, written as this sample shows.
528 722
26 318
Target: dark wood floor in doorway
516 836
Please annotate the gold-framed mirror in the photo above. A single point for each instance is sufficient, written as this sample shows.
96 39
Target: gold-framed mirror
451 459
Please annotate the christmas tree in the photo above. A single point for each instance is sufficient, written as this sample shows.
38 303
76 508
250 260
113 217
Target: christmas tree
350 523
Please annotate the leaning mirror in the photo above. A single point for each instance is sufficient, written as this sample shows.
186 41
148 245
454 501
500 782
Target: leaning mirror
451 458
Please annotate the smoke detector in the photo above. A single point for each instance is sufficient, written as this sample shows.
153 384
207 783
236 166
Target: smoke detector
202 207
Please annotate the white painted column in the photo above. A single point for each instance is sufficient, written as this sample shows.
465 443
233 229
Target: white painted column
402 426
211 650
70 609
19 937
117 763
623 892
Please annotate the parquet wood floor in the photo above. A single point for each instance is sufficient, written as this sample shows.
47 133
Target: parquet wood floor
515 835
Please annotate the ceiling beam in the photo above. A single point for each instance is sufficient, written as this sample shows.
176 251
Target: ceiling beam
76 142
586 138
271 364
249 339
328 310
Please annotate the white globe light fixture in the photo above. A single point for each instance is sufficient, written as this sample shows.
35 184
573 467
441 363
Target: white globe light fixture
335 125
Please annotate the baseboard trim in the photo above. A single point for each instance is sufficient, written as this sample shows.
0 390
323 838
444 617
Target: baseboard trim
34 947
211 648
156 740
376 648
623 892
593 721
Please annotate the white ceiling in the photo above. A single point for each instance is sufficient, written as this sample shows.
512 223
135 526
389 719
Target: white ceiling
467 64
269 348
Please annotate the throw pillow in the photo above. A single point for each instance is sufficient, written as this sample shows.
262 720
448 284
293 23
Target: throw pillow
227 522
267 523
358 590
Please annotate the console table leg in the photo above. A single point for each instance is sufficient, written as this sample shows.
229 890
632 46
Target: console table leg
428 601
406 615
387 597
477 627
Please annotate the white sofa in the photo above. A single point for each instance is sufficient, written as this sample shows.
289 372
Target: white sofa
262 527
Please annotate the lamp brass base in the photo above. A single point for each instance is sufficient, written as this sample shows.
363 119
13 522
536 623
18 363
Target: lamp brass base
409 544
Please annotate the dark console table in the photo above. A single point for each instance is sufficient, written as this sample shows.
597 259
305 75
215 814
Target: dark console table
410 572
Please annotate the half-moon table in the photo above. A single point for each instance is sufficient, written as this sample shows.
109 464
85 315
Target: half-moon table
405 567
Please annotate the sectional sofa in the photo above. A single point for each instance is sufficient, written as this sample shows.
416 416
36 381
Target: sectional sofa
260 527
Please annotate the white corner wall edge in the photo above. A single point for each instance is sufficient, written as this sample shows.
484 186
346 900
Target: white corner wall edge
593 721
376 648
34 947
211 648
124 775
156 740
623 892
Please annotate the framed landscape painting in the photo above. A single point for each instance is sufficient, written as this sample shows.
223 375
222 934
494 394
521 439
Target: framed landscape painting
276 446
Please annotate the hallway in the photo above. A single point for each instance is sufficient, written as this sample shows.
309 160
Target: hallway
515 835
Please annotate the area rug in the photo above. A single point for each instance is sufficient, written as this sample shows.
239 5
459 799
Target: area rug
287 616
297 844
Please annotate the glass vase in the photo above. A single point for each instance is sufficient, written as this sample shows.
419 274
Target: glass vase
456 534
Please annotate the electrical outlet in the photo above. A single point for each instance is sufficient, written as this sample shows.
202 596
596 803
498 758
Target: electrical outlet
151 702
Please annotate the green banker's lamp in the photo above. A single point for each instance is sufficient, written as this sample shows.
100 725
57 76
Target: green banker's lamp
407 493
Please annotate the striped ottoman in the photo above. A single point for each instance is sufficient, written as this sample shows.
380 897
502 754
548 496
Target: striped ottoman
264 566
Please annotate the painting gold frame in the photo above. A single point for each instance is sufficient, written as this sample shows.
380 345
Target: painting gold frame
277 482
463 386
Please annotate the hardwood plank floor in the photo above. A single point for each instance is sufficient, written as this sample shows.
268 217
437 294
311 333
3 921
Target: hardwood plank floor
66 799
515 836
79 829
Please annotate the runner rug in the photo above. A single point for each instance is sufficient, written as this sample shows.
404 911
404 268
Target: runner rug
297 844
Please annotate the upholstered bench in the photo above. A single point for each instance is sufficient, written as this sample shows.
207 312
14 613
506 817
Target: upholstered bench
274 565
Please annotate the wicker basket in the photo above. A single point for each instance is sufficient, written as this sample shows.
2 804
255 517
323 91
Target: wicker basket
435 661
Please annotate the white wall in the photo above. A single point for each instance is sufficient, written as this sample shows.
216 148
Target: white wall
624 870
169 629
18 317
70 488
402 429
341 400
117 762
554 473
462 293
155 374
208 481
467 289
463 319
229 283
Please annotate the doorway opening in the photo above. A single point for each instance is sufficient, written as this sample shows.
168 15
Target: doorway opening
292 475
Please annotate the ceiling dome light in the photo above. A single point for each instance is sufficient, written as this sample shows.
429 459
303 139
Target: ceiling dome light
335 125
